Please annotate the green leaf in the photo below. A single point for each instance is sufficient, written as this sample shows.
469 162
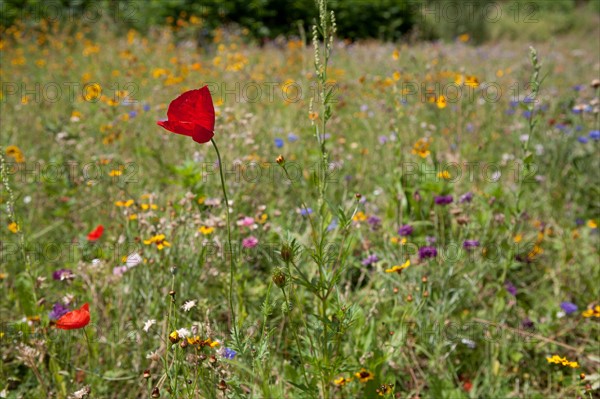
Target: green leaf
25 295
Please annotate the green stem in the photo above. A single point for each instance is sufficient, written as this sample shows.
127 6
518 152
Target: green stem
231 262
289 307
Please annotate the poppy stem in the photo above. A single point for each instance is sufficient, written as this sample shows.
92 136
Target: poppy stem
231 263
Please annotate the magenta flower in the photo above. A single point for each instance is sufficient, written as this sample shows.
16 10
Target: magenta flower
250 242
63 274
470 244
443 199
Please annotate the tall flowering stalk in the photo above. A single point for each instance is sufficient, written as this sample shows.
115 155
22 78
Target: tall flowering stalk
528 156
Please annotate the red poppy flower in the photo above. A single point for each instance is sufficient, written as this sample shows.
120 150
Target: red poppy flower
467 385
96 233
77 318
192 114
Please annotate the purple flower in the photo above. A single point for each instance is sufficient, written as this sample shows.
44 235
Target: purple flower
443 199
468 197
374 221
470 244
510 288
63 274
278 142
527 323
568 307
595 134
383 139
430 240
58 310
582 139
405 230
229 353
292 137
369 260
427 252
146 107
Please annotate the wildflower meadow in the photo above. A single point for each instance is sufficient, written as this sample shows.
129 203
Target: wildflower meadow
334 207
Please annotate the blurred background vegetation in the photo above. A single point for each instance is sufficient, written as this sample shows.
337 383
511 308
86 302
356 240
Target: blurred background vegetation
388 20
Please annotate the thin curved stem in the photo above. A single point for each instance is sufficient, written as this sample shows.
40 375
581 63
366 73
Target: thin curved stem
231 262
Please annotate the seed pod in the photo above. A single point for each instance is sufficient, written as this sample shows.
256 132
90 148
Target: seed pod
146 374
155 392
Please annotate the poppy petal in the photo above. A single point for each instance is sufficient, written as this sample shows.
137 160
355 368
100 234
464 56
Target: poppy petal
96 233
193 106
197 132
78 318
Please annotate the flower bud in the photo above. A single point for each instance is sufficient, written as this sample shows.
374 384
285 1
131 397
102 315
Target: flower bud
174 337
280 160
279 278
286 253
146 374
155 392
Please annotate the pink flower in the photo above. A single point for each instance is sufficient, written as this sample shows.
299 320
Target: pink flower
245 222
119 270
250 242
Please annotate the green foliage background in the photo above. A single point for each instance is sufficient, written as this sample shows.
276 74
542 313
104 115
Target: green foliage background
357 19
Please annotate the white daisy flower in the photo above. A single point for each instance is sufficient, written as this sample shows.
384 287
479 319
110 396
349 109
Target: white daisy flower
188 305
133 260
148 324
183 332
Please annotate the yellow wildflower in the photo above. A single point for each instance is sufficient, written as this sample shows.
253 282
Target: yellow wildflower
398 268
13 227
205 230
341 381
159 241
360 217
363 375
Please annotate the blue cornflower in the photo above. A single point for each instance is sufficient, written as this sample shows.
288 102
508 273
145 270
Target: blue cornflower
595 134
306 211
292 137
333 225
132 114
568 307
146 107
278 142
229 353
582 139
